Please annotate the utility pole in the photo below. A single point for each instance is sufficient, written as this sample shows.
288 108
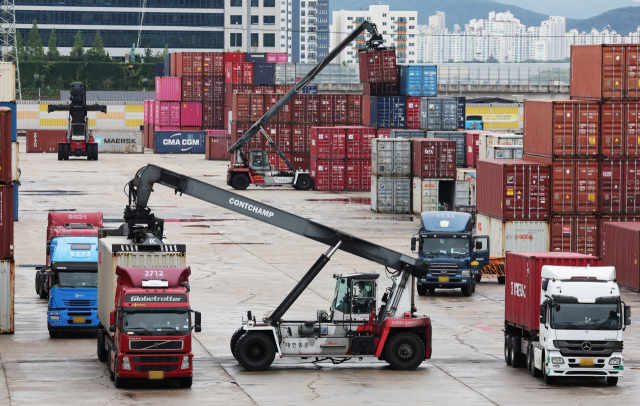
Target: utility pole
8 37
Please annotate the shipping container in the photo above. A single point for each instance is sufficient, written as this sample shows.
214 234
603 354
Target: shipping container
14 118
7 295
168 114
6 220
327 143
280 133
391 157
213 64
233 57
255 57
189 64
276 57
462 115
284 115
263 89
391 195
16 200
239 129
6 125
433 158
602 230
418 80
487 138
309 89
306 109
513 189
160 69
473 148
168 89
439 113
212 90
191 115
119 142
328 174
383 132
562 128
167 64
230 90
602 72
172 69
300 138
263 73
378 66
426 194
191 87
381 89
513 235
406 134
385 112
7 82
44 140
504 152
525 269
624 252
358 143
358 175
327 104
413 113
285 74
354 109
238 73
575 233
212 115
152 111
301 161
619 126
460 138
217 147
612 187
179 142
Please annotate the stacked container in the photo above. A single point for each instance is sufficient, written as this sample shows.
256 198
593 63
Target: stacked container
418 80
439 113
460 137
391 175
433 171
623 252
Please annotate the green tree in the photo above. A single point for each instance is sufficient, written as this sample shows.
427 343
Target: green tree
34 45
19 48
97 52
148 55
166 49
53 53
77 51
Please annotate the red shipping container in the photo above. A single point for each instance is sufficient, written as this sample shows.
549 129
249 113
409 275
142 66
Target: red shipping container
151 105
145 106
378 66
612 187
212 115
327 143
233 73
327 104
44 140
168 89
172 70
433 158
473 148
340 109
619 129
328 174
233 57
561 128
284 115
189 64
381 89
574 233
280 133
212 90
632 189
413 113
601 72
383 133
611 219
312 113
299 108
525 268
301 161
6 211
358 175
217 147
354 109
283 88
191 88
168 114
359 142
277 162
239 129
300 137
624 252
247 73
213 64
190 114
241 108
230 90
509 192
263 89
256 106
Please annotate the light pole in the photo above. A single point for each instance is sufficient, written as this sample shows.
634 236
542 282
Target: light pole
36 77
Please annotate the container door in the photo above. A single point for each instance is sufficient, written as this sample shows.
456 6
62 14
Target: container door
613 67
401 158
480 249
463 193
429 195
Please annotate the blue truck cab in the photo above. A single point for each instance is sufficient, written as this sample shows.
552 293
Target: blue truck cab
73 285
456 256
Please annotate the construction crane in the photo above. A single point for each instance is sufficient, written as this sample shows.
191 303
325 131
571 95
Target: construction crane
354 326
79 141
257 170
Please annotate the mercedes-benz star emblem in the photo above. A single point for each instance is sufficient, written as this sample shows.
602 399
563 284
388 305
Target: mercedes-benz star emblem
586 346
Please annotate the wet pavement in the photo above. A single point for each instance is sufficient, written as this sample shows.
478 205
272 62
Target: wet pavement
239 264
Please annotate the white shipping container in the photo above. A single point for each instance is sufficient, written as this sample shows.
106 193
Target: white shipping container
465 193
512 235
390 195
109 260
493 138
7 82
425 195
390 157
15 161
7 293
504 152
119 142
465 174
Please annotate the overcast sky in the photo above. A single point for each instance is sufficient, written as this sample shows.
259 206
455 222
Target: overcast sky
571 8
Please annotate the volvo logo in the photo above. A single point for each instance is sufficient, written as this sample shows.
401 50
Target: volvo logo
586 346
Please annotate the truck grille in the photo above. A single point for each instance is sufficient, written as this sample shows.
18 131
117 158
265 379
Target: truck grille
146 368
155 345
156 359
437 269
576 348
79 303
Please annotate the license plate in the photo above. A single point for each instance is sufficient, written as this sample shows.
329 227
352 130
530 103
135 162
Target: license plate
586 362
156 375
78 319
443 279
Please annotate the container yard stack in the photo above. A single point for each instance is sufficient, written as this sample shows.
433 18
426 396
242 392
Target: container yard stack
328 156
391 175
460 137
439 113
433 171
416 82
465 196
478 143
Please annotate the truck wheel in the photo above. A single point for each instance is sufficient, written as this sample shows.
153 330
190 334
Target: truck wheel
241 181
548 380
527 357
234 340
612 380
478 277
255 351
60 152
37 283
535 372
95 152
507 349
422 290
102 353
469 290
304 183
516 353
120 382
431 290
186 382
405 351
501 280
53 334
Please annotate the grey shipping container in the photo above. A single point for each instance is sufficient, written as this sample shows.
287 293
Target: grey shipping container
390 195
504 152
439 113
460 137
119 142
167 66
285 73
406 134
443 194
390 157
7 294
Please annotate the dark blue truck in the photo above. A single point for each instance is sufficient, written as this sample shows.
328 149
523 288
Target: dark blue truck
445 240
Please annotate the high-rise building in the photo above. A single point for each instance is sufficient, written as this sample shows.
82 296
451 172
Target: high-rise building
307 30
553 32
253 25
398 28
185 25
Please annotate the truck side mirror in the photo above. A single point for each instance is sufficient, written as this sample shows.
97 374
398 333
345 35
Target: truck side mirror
414 240
627 315
543 314
198 320
112 328
478 245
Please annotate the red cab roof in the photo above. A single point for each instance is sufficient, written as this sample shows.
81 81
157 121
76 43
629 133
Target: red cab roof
135 276
61 218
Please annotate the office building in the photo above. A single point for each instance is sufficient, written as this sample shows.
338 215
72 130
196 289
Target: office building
253 25
306 35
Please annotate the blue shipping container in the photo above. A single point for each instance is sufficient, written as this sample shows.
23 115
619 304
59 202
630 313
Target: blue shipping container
255 57
388 112
179 142
160 69
264 73
15 200
309 89
167 64
14 119
419 80
473 125
462 105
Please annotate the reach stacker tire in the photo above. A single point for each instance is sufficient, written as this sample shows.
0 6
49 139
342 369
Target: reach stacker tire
234 340
405 351
304 183
240 181
255 351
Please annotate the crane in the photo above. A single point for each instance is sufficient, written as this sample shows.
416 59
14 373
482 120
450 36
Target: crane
354 326
257 170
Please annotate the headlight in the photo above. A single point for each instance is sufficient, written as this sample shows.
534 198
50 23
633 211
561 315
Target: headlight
615 361
125 363
54 317
557 360
185 362
466 273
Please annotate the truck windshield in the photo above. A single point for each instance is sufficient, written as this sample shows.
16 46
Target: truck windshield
445 246
581 316
75 280
156 323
